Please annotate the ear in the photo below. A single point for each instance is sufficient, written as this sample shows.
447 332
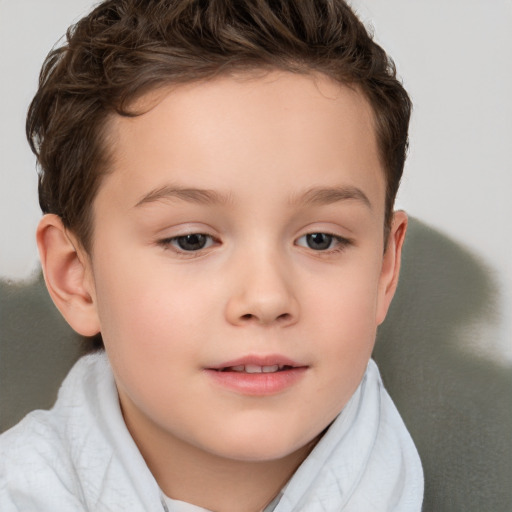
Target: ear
391 264
68 275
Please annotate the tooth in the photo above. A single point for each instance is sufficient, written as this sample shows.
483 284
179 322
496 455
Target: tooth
270 369
252 368
240 368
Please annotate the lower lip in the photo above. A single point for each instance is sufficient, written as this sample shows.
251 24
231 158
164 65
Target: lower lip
257 384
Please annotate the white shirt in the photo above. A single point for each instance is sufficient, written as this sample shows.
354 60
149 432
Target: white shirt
80 456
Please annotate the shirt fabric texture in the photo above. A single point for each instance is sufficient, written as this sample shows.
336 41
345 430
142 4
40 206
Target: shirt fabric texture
79 456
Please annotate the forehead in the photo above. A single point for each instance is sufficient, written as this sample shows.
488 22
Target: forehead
236 133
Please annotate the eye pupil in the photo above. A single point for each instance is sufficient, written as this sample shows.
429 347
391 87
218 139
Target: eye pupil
319 241
192 242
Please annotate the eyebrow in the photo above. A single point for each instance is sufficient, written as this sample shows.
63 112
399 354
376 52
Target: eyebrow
317 196
320 196
193 195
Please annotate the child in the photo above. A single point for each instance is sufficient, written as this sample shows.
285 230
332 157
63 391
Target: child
218 182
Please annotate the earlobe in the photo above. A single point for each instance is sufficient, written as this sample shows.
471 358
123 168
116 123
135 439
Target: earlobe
391 264
67 275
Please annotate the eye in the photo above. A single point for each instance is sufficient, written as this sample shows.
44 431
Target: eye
322 241
189 243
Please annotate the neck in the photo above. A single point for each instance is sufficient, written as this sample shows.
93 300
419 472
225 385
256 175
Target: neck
224 485
187 473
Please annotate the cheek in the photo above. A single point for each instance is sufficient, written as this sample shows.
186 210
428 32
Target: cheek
151 337
347 303
343 325
141 309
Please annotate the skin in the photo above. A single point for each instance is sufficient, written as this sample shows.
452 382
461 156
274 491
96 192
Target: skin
281 156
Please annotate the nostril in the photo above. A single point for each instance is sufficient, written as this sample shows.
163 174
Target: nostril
280 318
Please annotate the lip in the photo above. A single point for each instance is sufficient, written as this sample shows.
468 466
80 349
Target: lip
257 384
258 360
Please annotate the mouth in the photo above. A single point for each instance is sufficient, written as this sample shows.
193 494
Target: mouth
254 368
258 364
258 376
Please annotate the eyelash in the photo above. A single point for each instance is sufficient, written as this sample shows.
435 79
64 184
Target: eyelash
171 243
341 243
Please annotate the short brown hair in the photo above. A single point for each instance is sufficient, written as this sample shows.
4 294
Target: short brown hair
125 48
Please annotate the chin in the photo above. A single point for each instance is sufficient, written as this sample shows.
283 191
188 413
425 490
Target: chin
266 448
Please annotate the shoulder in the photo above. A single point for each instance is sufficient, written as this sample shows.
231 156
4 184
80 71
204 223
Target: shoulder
38 462
32 459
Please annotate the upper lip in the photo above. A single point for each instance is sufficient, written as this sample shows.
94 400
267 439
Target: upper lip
258 360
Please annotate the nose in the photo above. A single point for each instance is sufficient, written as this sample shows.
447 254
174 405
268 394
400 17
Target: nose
262 292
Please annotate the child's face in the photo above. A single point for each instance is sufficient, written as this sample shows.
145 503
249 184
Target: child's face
242 225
